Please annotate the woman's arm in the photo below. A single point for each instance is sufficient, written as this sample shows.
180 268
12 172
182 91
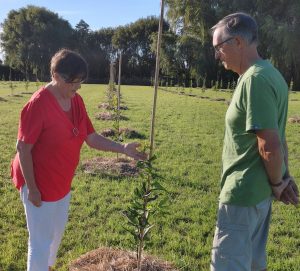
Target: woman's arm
101 143
26 163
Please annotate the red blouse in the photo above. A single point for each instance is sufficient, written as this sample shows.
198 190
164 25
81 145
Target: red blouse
57 143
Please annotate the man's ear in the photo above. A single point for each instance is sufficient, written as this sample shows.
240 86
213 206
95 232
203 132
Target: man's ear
240 42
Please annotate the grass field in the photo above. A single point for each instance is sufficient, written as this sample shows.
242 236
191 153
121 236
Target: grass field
188 140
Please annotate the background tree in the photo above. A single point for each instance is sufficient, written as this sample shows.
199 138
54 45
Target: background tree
279 32
135 42
31 35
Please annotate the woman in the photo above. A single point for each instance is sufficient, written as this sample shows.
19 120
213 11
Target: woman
53 126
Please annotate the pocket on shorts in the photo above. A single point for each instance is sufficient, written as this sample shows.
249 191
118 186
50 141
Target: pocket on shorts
232 240
232 231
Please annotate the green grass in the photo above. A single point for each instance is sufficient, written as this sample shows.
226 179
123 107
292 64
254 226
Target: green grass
188 143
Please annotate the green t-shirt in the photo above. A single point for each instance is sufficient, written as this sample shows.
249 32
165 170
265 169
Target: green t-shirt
260 101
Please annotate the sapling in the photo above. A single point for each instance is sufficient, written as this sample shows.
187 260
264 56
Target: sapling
146 200
204 84
291 85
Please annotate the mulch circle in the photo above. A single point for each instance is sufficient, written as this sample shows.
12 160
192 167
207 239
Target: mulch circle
110 166
108 132
110 259
295 119
108 107
109 116
126 132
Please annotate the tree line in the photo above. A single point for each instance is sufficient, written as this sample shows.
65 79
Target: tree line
31 35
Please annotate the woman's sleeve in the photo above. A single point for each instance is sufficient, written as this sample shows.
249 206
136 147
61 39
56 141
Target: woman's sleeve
31 122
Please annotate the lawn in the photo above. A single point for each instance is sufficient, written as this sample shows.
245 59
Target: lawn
188 143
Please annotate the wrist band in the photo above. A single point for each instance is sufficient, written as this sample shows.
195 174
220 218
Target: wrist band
276 184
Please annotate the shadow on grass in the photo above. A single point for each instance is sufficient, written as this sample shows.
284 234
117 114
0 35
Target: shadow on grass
2 99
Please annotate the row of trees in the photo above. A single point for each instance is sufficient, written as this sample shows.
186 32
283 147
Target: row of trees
279 33
32 34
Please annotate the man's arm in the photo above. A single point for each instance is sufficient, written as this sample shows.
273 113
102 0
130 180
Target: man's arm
270 150
26 163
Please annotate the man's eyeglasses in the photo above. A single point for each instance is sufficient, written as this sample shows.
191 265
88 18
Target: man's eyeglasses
218 46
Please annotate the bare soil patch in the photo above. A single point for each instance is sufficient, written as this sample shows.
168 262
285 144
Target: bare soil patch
110 166
109 116
109 259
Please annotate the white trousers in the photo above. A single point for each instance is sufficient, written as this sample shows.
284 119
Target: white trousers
45 226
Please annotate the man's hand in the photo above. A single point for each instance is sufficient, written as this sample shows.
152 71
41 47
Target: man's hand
34 196
291 193
278 190
130 149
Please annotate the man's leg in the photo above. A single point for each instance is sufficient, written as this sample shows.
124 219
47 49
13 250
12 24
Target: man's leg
259 236
232 241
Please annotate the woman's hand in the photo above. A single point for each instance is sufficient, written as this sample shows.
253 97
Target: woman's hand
34 196
130 149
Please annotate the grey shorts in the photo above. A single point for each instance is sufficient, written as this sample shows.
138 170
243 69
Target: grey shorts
241 237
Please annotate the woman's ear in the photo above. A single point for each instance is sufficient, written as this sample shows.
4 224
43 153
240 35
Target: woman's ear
56 77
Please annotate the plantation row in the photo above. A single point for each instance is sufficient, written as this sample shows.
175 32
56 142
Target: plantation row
189 137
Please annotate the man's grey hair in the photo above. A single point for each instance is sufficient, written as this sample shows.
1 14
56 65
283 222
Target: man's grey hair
238 24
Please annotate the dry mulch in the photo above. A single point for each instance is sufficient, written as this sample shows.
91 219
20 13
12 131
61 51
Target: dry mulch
108 132
109 116
108 107
109 259
110 166
295 119
126 132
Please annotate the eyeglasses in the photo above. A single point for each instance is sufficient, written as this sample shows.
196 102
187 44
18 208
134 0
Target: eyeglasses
74 81
218 46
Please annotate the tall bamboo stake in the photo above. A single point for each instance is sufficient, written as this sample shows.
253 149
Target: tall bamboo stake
119 81
156 76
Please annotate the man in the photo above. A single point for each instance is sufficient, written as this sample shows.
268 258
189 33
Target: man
255 163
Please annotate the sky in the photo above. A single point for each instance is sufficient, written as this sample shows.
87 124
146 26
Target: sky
97 13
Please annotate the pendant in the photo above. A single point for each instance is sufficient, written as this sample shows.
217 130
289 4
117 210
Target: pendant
75 131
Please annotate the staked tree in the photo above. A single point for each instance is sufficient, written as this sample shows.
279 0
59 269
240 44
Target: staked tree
135 42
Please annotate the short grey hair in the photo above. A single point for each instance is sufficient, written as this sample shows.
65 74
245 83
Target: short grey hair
239 24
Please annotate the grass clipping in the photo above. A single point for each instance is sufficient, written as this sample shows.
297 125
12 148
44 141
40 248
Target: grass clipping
109 259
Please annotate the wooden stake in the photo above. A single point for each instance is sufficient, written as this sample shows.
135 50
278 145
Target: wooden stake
119 81
160 26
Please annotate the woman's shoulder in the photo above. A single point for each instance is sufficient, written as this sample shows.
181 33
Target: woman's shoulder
39 98
41 93
78 99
